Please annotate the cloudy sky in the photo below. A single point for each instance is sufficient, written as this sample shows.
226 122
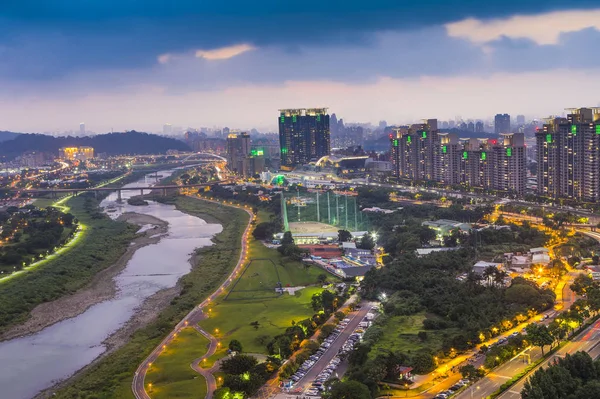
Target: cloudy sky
137 64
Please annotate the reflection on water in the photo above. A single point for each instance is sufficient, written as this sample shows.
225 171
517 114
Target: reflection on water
39 360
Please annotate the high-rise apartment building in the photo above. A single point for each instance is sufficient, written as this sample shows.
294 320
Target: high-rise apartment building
568 156
415 151
304 135
449 159
509 163
82 128
238 150
419 152
520 120
167 128
502 123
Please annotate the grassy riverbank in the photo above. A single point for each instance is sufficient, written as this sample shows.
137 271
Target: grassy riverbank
111 377
99 245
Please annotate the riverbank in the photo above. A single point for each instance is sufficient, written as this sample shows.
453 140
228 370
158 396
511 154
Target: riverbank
111 375
101 288
101 245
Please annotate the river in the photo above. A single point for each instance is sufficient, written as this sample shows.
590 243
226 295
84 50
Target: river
36 362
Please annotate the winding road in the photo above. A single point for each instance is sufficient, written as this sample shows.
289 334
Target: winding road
138 385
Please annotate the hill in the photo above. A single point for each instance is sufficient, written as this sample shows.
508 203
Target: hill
134 143
5 136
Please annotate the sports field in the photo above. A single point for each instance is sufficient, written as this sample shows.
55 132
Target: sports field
312 227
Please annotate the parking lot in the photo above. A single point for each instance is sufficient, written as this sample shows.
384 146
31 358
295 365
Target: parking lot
309 379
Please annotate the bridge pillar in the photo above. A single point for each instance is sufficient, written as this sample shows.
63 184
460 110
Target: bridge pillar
119 198
142 192
164 192
96 194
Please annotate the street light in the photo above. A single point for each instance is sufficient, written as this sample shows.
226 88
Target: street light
150 386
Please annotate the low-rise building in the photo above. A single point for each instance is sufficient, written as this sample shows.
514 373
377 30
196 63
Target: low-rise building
480 267
443 227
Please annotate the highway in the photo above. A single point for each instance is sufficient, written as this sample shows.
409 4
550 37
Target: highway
587 341
138 385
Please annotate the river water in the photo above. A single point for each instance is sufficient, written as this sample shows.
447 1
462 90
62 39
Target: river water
35 362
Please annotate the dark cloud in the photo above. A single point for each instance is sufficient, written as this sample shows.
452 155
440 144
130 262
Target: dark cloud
41 39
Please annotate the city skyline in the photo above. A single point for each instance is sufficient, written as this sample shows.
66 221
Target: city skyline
463 58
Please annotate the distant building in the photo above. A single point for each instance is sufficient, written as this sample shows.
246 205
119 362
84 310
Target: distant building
76 153
520 119
479 127
304 135
502 123
167 128
471 127
82 128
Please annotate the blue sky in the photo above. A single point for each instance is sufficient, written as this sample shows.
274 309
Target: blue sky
134 64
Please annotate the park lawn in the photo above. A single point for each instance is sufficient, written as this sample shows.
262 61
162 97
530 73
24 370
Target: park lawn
400 335
233 318
171 375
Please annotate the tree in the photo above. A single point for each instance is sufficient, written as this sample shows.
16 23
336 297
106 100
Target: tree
235 345
265 230
321 278
581 284
539 335
471 372
287 239
344 236
350 390
366 242
222 393
239 364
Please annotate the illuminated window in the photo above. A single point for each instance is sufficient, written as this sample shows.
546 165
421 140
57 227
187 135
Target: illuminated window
597 129
483 156
424 135
574 129
465 155
509 152
294 118
282 119
444 149
318 117
548 138
395 142
408 139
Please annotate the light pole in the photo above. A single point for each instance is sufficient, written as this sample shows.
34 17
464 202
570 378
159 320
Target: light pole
472 387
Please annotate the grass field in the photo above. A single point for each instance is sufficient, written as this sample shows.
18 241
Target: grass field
171 375
232 318
400 335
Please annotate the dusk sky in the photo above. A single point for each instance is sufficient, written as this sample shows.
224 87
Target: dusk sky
132 64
